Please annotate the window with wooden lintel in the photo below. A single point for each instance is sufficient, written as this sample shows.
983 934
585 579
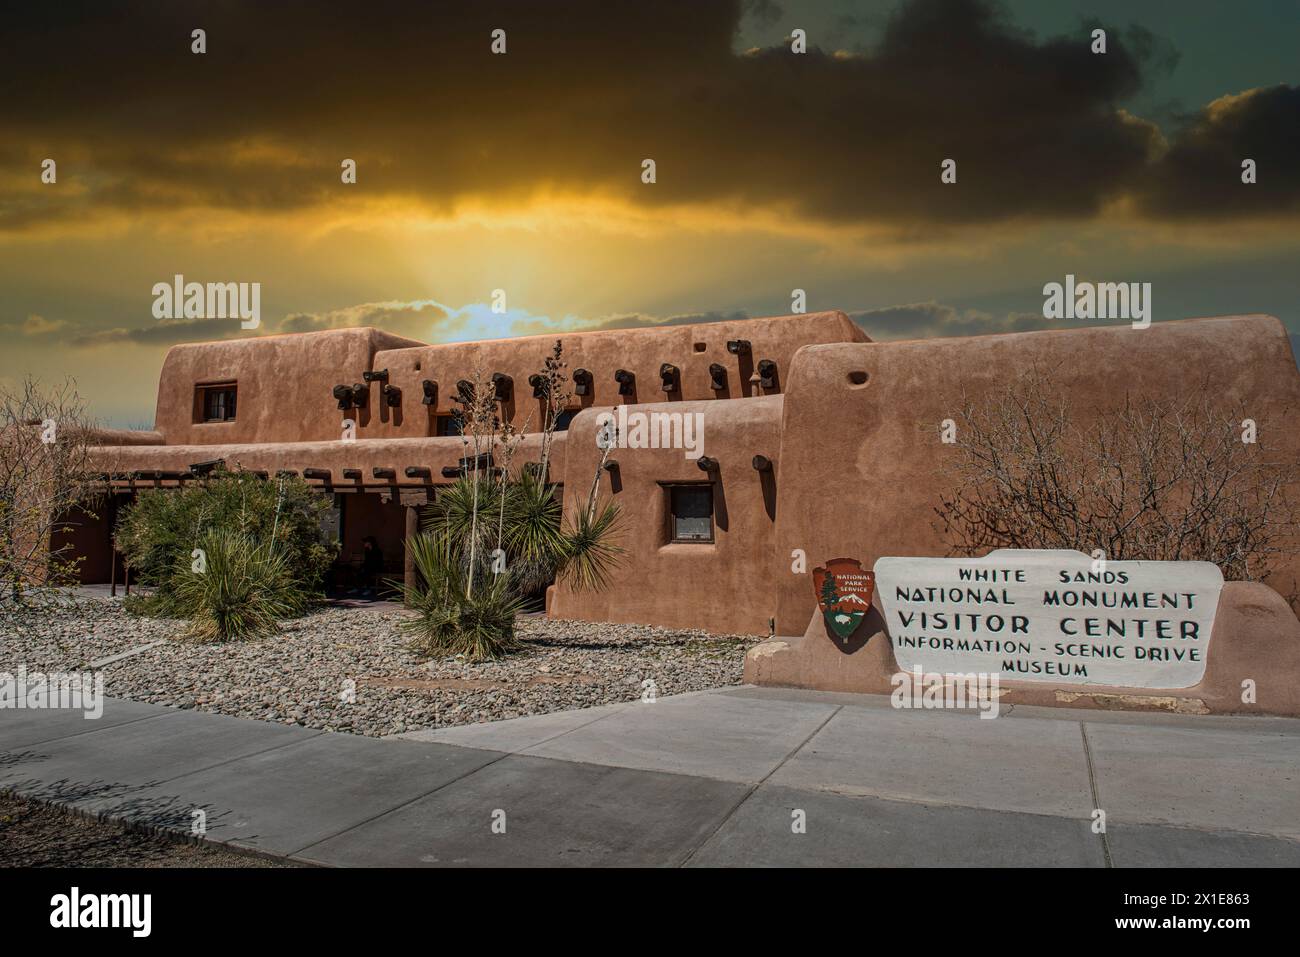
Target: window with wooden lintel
215 402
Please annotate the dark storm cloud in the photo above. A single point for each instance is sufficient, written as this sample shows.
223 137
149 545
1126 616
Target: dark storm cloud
587 90
764 12
1201 174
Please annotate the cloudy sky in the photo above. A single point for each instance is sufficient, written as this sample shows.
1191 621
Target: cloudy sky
523 172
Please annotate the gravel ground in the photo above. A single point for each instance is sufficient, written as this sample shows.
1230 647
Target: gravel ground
38 835
307 674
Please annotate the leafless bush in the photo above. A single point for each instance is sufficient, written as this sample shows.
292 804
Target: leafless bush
480 422
1141 478
555 383
44 473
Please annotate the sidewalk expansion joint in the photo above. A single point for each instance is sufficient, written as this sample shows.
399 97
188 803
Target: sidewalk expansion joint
455 780
753 788
238 757
77 734
395 807
1096 795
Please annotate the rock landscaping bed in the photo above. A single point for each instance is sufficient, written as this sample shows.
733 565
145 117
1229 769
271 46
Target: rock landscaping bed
349 670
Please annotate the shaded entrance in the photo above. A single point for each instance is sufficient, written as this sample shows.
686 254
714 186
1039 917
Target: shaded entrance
87 533
381 518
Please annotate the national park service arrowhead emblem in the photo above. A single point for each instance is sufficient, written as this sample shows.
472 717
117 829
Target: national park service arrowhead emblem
844 593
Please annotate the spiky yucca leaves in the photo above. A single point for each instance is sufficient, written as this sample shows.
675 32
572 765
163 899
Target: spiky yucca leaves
533 537
523 517
243 590
539 547
451 516
447 622
592 552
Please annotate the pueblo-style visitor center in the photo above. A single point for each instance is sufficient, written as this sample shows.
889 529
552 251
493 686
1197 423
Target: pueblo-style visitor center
817 444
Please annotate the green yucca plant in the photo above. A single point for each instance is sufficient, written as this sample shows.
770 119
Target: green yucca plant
450 618
243 590
591 553
523 517
452 515
493 540
531 532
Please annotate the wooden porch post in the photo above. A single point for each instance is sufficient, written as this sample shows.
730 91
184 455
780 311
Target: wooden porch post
412 529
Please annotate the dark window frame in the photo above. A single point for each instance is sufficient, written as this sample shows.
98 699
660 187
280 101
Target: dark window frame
671 517
564 417
203 393
447 425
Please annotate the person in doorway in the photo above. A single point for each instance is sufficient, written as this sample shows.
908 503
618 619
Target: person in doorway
372 566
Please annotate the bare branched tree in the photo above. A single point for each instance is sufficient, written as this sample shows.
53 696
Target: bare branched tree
1183 479
479 423
555 383
45 439
510 440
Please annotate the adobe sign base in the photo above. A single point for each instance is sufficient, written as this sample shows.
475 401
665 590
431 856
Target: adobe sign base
1256 638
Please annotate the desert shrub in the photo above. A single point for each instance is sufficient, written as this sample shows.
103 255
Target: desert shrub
533 536
467 599
495 538
522 517
45 481
591 553
450 618
241 591
282 516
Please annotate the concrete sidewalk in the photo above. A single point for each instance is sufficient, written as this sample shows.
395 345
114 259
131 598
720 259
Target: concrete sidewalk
712 778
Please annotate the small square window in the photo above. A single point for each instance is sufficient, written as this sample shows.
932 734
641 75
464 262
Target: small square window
563 418
690 513
447 425
215 403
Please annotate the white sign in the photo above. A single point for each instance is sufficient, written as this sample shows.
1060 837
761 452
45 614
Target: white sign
1054 616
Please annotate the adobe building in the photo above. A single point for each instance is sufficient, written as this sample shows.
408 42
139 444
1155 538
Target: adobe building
284 403
816 442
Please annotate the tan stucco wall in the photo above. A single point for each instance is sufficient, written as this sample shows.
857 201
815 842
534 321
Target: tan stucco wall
284 385
725 586
285 382
640 351
125 437
861 465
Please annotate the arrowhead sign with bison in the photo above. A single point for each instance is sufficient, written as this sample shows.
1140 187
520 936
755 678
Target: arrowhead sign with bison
844 593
